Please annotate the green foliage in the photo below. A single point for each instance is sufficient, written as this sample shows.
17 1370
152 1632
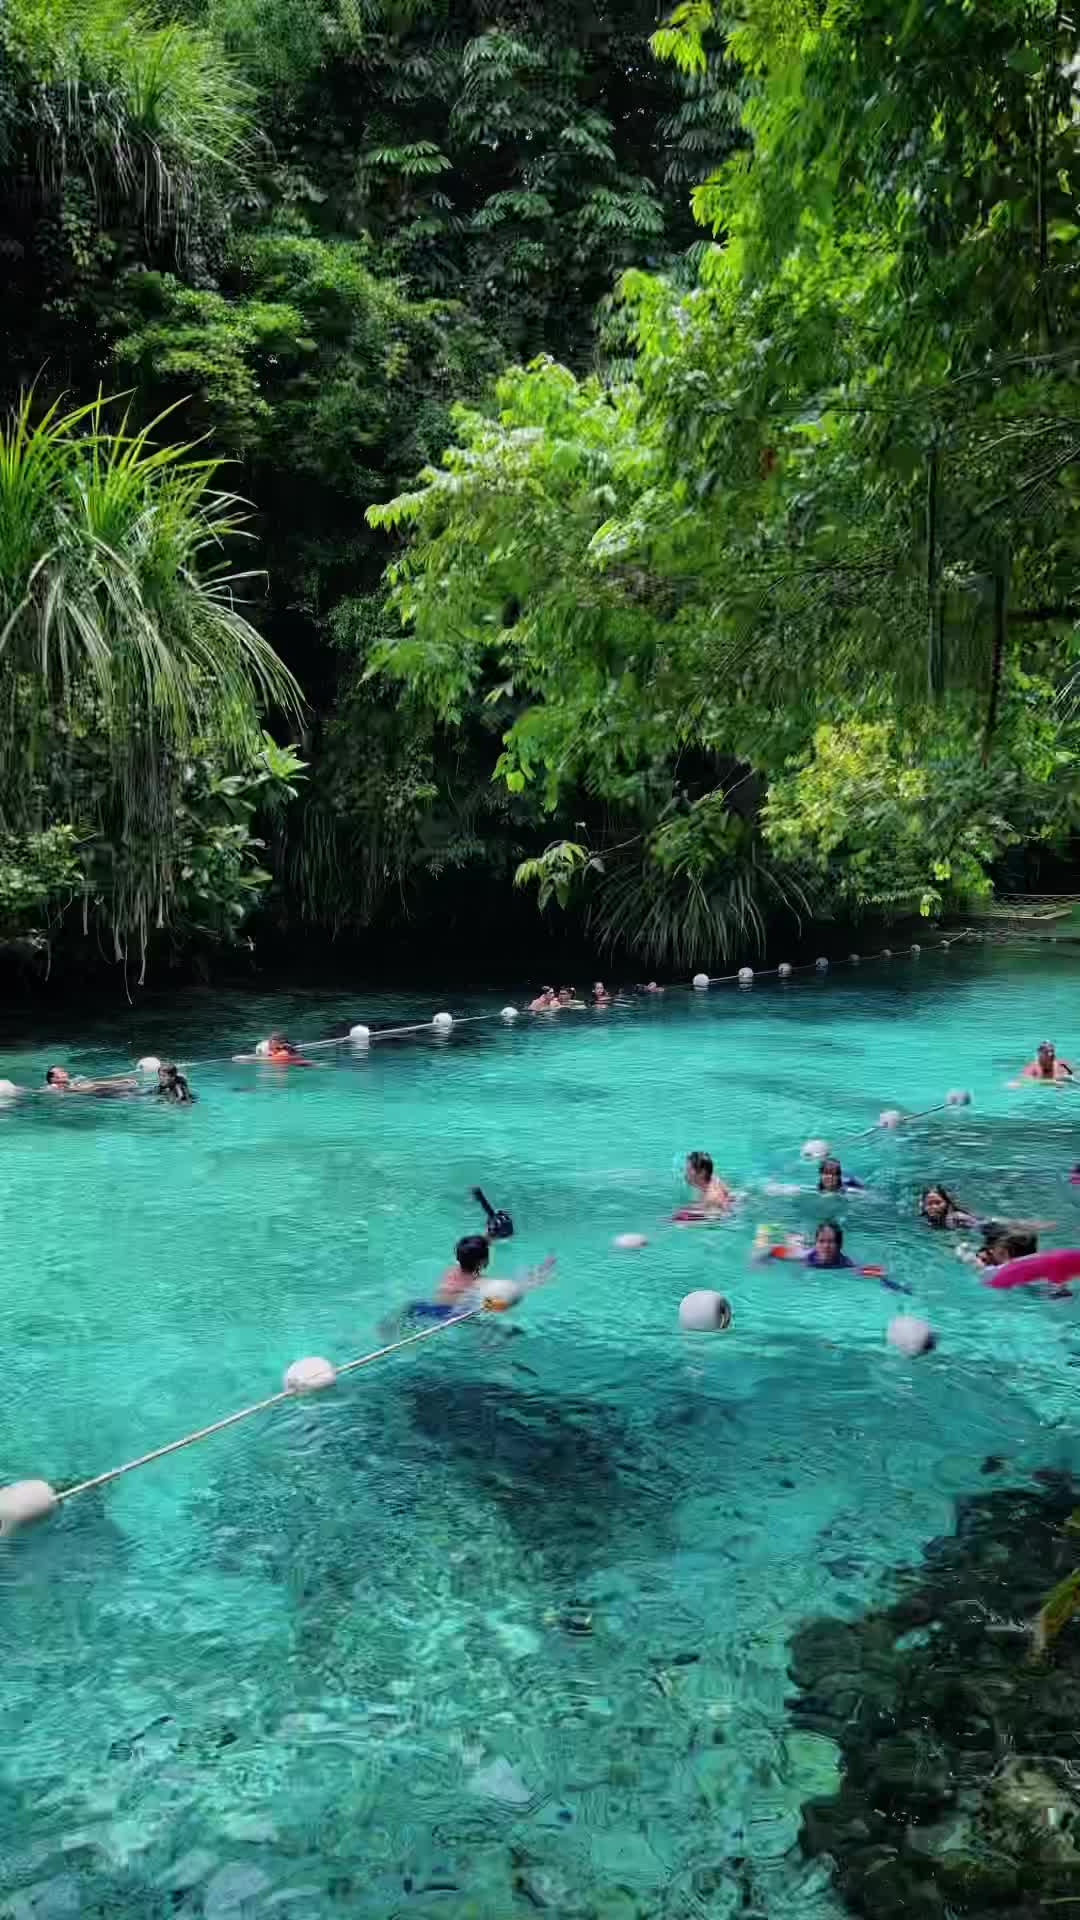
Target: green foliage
39 875
827 529
126 667
515 161
118 138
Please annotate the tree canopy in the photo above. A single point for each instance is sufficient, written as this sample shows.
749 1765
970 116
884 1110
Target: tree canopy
650 461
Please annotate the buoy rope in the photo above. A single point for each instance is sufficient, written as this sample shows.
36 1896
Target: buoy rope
260 1406
962 936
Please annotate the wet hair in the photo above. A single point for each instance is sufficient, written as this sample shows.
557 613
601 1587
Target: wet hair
700 1163
50 1077
1045 1046
829 1165
834 1227
1018 1244
472 1253
167 1067
950 1204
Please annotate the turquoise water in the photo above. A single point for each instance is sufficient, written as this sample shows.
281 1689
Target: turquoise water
503 1622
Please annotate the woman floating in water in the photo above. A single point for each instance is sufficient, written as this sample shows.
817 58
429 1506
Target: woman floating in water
714 1196
826 1252
940 1210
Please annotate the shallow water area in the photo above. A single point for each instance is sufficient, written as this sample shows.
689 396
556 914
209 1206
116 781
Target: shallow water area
502 1623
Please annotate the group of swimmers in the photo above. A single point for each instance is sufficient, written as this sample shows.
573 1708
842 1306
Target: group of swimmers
712 1198
548 1001
171 1085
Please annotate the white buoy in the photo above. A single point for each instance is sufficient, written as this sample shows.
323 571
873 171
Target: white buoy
704 1312
23 1501
360 1035
886 953
309 1375
746 975
910 1335
822 965
814 1149
629 1242
854 959
509 1013
148 1064
957 1097
916 949
262 1048
8 1089
501 1294
443 1020
890 1119
701 981
784 970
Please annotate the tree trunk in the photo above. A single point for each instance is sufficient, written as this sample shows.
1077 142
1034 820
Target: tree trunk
997 655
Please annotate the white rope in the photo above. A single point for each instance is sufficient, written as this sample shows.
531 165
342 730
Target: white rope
260 1406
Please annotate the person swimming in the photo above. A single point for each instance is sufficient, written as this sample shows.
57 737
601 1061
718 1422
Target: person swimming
1046 1066
1000 1244
545 1000
458 1282
713 1194
600 995
939 1209
828 1247
833 1179
59 1080
172 1086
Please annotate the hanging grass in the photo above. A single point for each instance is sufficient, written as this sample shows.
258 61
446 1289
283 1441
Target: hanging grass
148 115
123 647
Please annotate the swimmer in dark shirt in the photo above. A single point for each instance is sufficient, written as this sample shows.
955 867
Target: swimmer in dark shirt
828 1247
173 1087
833 1179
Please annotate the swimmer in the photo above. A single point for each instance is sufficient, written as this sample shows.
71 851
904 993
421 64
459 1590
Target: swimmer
828 1247
545 1000
1000 1244
59 1080
651 987
1045 1067
172 1086
833 1179
940 1210
280 1052
600 995
714 1194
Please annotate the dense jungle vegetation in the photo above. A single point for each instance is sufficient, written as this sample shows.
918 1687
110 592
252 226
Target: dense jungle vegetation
472 459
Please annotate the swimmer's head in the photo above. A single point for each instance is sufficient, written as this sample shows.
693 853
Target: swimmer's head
699 1169
829 1242
937 1204
1017 1245
472 1253
830 1176
565 995
58 1077
167 1075
1045 1054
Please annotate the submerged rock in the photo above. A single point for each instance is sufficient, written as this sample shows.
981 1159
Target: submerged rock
958 1745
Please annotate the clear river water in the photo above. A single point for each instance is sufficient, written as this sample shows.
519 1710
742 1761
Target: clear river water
502 1623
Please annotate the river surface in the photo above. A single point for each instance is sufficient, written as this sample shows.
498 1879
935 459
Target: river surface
502 1623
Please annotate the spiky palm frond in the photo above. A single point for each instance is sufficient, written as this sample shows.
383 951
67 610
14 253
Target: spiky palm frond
123 649
685 918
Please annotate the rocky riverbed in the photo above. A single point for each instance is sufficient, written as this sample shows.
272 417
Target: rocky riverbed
961 1747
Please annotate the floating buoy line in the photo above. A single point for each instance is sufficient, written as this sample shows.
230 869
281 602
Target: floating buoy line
360 1036
26 1500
